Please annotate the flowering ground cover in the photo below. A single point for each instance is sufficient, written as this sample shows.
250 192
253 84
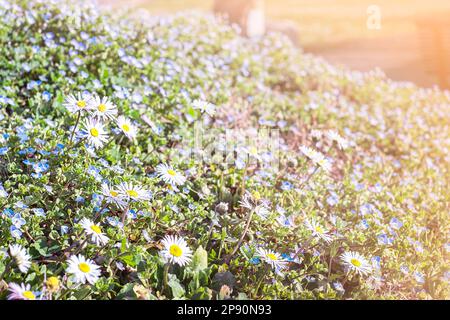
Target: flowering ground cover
170 158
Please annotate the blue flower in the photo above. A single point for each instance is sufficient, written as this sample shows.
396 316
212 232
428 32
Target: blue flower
404 269
3 151
333 199
8 212
64 230
15 232
384 239
364 224
286 185
39 212
3 192
420 278
131 214
46 96
395 223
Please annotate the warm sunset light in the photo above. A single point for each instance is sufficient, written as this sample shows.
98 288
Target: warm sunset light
241 152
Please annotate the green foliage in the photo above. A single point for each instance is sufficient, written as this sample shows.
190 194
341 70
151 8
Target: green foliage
259 224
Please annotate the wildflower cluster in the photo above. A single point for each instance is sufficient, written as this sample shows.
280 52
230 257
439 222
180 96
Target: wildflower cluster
105 194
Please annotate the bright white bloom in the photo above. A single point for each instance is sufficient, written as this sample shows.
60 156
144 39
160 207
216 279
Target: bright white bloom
248 201
103 108
95 133
176 250
113 195
317 230
21 292
334 136
83 269
78 103
262 211
95 231
354 262
318 158
169 175
252 152
133 192
20 256
272 258
127 127
205 107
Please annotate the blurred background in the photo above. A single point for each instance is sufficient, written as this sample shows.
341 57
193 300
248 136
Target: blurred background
408 39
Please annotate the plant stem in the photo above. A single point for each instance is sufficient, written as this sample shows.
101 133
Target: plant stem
261 278
124 215
75 127
165 277
100 212
7 267
238 245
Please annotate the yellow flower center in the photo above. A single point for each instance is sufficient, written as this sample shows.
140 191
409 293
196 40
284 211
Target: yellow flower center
81 104
319 229
253 151
355 262
101 107
96 229
132 193
94 132
175 250
171 172
113 193
272 257
29 295
125 127
53 283
84 267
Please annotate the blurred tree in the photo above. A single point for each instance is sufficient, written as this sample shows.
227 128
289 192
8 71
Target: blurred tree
248 14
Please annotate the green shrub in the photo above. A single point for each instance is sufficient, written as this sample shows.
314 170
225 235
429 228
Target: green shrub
352 201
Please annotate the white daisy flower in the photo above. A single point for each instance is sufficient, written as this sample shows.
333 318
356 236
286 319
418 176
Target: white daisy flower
272 258
262 211
252 152
113 195
95 133
354 262
83 269
95 231
204 107
248 201
133 192
21 292
317 230
176 250
127 127
103 108
334 136
318 158
78 103
169 175
20 256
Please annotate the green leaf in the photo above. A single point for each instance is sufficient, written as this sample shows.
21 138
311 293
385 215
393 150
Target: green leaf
177 289
199 260
126 292
129 259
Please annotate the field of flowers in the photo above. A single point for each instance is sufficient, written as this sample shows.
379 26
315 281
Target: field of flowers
106 193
